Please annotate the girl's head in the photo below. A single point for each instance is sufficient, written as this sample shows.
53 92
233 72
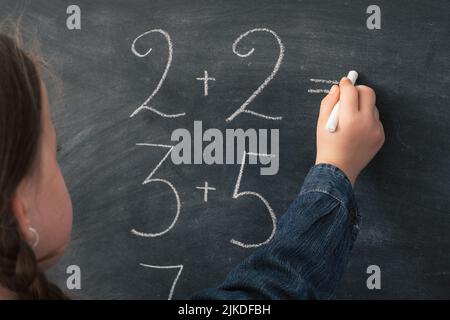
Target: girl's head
35 207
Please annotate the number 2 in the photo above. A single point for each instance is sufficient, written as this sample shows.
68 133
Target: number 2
243 107
163 77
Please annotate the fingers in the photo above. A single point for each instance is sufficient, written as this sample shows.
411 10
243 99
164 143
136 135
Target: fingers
382 136
348 96
327 104
377 113
367 99
382 130
351 99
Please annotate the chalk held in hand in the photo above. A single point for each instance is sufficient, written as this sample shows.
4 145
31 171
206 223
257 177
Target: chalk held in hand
334 116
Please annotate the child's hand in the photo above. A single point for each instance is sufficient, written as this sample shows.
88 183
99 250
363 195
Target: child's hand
359 134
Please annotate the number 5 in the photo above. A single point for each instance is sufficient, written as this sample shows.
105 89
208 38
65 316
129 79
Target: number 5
237 194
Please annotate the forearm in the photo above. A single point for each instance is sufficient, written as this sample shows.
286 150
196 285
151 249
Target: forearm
309 253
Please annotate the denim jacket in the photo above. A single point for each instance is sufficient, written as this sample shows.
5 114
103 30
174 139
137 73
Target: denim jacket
310 250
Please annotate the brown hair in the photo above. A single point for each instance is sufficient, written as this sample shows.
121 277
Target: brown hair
20 133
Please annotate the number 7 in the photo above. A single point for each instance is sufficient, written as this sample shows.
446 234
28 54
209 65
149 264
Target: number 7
174 283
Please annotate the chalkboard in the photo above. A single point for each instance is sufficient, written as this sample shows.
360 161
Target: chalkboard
302 47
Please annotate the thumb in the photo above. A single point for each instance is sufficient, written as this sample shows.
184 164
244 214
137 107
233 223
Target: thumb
327 104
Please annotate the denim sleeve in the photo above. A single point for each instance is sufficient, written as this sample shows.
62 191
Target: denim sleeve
310 250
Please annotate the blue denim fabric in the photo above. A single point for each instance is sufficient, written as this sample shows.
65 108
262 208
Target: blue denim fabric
310 250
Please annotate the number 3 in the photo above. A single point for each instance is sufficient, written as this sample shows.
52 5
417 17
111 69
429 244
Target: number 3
149 179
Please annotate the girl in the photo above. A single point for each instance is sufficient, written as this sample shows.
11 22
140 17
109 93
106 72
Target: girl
35 207
305 259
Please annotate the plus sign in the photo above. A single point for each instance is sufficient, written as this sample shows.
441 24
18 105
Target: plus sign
205 80
205 188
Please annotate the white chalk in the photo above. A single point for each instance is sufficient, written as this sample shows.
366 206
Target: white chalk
334 116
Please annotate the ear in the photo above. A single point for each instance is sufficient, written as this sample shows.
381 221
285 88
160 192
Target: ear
19 211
